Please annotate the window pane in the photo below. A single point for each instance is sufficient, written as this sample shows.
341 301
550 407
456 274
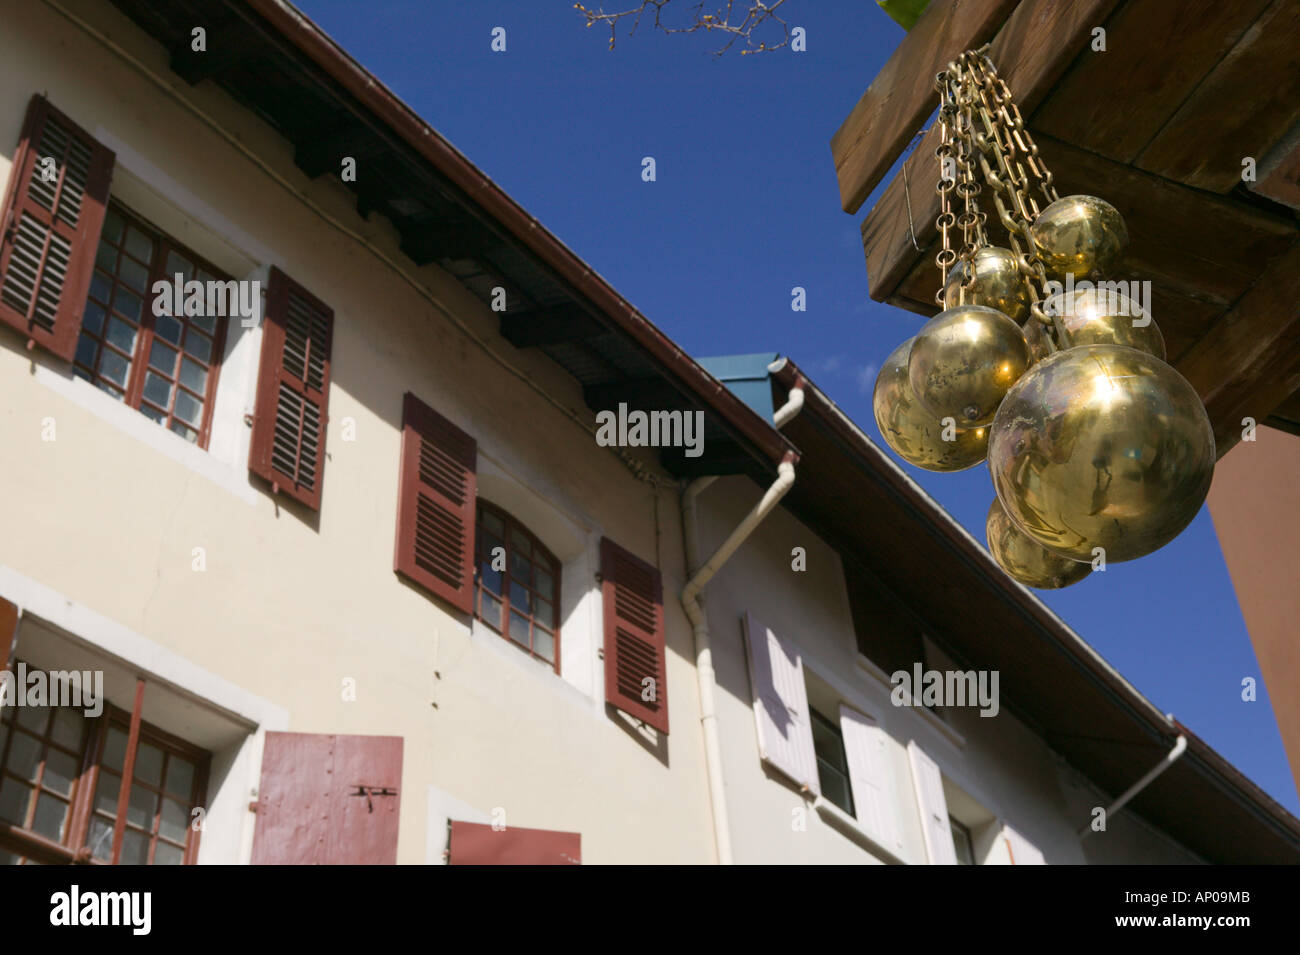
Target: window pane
520 599
153 414
208 323
106 257
113 226
68 724
158 389
140 810
519 629
115 748
4 736
194 376
163 357
133 274
186 433
188 408
101 287
521 568
14 797
199 346
106 792
127 303
164 854
521 543
122 335
168 328
180 776
174 818
50 816
94 319
135 848
24 756
178 263
34 718
545 584
100 838
491 611
114 367
835 787
10 858
60 771
139 244
148 764
544 644
87 349
544 612
491 578
494 524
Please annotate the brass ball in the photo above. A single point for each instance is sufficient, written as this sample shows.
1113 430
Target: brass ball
1102 446
1026 560
1081 236
1036 338
915 435
1092 316
996 283
963 362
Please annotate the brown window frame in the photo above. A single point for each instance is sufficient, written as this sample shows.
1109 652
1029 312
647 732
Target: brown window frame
513 526
133 396
73 848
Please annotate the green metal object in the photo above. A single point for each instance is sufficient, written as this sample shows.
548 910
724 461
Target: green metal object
904 12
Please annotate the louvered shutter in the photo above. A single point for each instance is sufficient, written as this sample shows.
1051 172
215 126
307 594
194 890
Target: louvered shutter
928 782
51 227
1021 850
435 505
781 710
635 674
293 384
472 843
866 749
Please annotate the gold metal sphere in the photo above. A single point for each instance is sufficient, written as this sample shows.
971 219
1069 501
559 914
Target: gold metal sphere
963 362
1092 316
1081 236
916 435
1024 558
1102 446
996 283
1036 338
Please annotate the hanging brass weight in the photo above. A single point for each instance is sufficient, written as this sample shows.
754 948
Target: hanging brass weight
913 433
1105 316
1102 446
963 361
1081 236
996 282
1024 558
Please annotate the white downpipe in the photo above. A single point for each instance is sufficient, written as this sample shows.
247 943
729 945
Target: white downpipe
1171 757
693 604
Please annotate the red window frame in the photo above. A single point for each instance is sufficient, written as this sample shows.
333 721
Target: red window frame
482 594
146 328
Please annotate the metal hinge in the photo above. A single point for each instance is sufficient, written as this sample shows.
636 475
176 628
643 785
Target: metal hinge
369 791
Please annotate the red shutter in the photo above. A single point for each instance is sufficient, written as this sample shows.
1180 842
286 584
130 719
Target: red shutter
435 505
293 386
328 800
51 229
633 594
472 843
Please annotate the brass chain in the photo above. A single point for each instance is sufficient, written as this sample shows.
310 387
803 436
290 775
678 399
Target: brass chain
943 83
956 156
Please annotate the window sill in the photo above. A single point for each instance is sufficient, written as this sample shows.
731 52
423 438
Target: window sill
837 818
954 737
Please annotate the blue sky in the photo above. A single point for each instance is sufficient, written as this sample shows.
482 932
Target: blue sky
745 207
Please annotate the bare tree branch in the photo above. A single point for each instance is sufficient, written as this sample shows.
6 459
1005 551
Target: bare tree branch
756 13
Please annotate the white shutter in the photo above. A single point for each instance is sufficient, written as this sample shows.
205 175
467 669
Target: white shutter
865 746
928 782
1023 852
781 704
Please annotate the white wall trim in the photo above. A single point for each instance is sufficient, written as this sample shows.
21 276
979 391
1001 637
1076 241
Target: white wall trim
443 808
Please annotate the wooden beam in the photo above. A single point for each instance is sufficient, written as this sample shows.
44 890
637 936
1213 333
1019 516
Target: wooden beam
1114 102
1192 243
1245 105
1279 171
1032 48
455 239
549 326
645 394
902 95
1249 362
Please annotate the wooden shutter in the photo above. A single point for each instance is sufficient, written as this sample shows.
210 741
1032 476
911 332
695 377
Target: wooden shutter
1020 849
293 386
473 843
866 749
328 800
51 228
633 596
781 710
435 505
928 782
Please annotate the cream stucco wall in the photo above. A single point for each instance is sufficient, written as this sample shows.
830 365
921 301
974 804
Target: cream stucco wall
109 513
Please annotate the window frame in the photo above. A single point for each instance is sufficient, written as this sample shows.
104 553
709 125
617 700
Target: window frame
833 727
133 394
513 525
31 845
957 827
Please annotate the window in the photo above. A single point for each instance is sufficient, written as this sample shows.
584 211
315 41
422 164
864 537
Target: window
832 764
519 601
962 842
164 365
61 781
